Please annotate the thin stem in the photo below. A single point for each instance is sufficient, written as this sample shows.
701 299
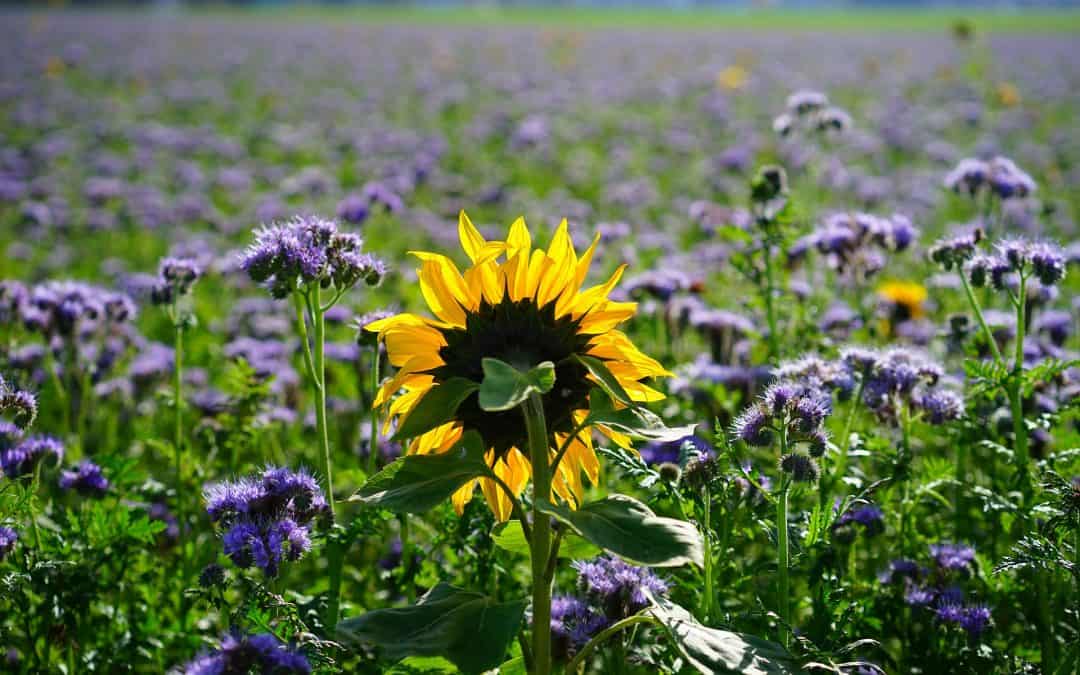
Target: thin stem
373 443
705 537
553 556
566 446
1016 396
536 426
515 504
770 312
319 322
301 327
178 449
783 604
603 635
975 307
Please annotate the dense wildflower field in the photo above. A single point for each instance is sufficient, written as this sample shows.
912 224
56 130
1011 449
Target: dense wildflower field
330 346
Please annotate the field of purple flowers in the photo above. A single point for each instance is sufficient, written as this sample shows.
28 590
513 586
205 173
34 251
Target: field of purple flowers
777 375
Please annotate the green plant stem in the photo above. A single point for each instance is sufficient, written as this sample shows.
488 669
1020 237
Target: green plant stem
706 527
373 444
783 600
770 311
1016 400
975 307
598 639
905 466
178 454
536 427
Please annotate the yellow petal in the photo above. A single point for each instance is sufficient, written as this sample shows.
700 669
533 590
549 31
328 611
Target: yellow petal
518 239
471 240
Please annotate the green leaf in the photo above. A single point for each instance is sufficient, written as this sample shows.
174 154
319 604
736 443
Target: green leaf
510 537
711 650
635 421
468 629
505 387
607 380
437 407
629 529
418 483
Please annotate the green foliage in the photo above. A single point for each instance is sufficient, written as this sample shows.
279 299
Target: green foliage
470 630
504 387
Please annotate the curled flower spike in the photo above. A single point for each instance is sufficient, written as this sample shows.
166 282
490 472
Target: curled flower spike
240 655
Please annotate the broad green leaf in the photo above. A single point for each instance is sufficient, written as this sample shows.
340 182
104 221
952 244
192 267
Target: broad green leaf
515 666
510 537
634 421
418 483
470 630
629 529
711 650
437 407
605 378
505 387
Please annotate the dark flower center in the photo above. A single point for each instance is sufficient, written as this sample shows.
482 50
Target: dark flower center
523 335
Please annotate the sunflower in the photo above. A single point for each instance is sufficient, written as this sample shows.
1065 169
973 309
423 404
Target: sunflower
906 299
523 306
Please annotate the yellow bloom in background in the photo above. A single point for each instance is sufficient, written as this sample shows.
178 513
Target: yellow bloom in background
524 306
732 78
906 299
1008 95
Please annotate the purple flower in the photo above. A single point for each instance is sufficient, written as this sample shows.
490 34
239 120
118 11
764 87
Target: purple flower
1007 180
969 176
949 556
86 479
22 405
939 405
176 276
573 624
975 619
21 459
8 539
240 655
617 588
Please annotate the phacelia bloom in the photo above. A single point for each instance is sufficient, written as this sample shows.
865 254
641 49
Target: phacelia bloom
8 539
240 655
968 177
527 309
870 517
938 405
20 405
21 459
616 588
954 557
953 252
176 276
797 408
307 250
69 308
894 375
806 101
86 479
975 619
573 624
901 569
268 519
1044 261
852 243
1007 180
659 452
802 468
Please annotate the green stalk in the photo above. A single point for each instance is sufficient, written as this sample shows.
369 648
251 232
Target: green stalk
770 312
974 302
1016 397
319 321
783 600
536 426
178 450
706 531
598 639
373 443
783 603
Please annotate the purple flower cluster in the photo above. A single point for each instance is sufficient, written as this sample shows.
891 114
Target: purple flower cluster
175 278
936 587
87 479
21 405
268 518
8 539
309 250
19 456
952 252
854 243
796 409
903 377
609 590
868 517
1017 257
240 655
808 111
1001 176
72 308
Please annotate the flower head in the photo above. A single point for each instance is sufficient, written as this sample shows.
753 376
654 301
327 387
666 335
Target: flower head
240 655
8 539
523 306
617 588
86 479
21 459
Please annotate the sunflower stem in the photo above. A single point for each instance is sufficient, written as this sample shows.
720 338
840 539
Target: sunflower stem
373 443
540 542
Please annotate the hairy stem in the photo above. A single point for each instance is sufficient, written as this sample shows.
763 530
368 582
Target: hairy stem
541 530
706 527
373 443
783 600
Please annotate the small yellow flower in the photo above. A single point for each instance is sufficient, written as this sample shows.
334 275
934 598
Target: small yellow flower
1008 95
906 297
524 306
732 78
